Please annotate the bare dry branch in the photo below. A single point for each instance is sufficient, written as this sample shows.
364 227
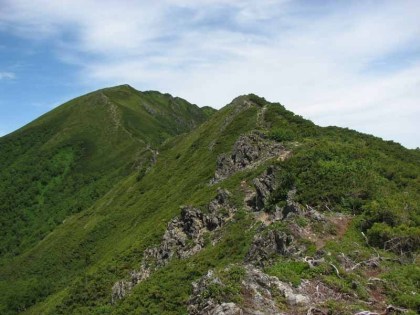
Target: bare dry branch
336 270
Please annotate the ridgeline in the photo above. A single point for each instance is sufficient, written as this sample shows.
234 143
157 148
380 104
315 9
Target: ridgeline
129 202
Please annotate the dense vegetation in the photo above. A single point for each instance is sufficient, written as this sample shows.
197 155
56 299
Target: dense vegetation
80 149
81 199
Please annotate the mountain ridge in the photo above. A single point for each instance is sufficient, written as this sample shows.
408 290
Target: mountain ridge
290 182
95 130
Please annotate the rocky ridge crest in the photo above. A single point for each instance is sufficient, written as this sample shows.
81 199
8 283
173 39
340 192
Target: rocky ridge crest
248 151
183 238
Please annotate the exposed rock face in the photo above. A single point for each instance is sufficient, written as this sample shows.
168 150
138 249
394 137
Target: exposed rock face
268 244
221 201
260 282
291 205
183 238
259 295
248 151
264 186
120 289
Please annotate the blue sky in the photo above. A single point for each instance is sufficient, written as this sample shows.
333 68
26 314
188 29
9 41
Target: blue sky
353 64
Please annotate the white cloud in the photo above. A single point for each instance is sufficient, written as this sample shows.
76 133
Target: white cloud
353 64
4 75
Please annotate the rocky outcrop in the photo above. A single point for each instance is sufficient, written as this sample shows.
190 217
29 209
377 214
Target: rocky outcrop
261 283
221 201
315 215
248 151
201 303
259 294
268 244
264 186
185 234
120 289
183 238
227 309
291 205
260 198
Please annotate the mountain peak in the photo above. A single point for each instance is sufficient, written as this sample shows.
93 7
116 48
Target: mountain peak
120 87
249 100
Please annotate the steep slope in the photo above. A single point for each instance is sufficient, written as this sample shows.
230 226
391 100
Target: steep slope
64 161
255 210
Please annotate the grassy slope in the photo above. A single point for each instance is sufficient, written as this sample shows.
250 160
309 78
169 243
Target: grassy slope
63 162
74 268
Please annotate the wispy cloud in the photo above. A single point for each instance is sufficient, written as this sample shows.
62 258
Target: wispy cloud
4 75
353 63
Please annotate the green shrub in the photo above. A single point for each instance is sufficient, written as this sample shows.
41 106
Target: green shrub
402 285
400 239
292 271
281 135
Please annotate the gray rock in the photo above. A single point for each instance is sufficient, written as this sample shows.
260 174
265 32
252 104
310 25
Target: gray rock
259 295
221 201
270 283
225 167
315 214
264 186
248 151
268 244
191 221
120 289
138 276
183 237
226 309
201 303
296 299
292 207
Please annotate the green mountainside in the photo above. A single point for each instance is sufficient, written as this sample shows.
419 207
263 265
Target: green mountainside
128 202
64 161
